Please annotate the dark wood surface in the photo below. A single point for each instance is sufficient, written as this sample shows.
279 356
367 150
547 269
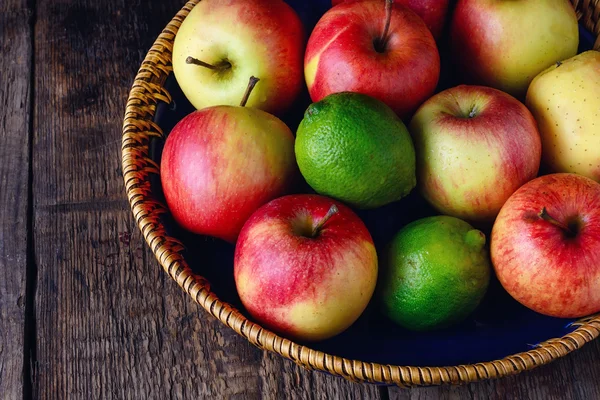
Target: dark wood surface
85 310
15 113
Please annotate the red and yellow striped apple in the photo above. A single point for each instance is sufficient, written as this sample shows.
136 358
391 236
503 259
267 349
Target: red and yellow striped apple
377 48
506 43
565 101
433 12
545 245
221 163
305 266
475 146
223 42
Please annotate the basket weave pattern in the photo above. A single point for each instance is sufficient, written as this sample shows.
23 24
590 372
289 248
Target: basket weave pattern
588 12
139 128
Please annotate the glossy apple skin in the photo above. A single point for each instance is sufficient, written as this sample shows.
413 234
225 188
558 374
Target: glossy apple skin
506 43
536 263
305 288
468 167
565 101
433 12
221 163
340 56
261 38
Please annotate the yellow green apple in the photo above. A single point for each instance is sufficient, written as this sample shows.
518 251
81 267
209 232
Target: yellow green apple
506 43
565 101
223 42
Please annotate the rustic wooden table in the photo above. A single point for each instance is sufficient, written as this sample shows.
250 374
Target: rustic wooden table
85 310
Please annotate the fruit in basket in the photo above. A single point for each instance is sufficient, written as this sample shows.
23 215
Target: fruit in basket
221 163
565 101
475 146
505 44
354 148
223 42
545 245
305 266
351 50
436 272
433 12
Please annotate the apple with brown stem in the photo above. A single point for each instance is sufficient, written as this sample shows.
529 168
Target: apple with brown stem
475 146
377 48
221 163
222 42
305 266
433 12
545 245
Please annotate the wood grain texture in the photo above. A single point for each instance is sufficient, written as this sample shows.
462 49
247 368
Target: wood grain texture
15 91
576 376
110 323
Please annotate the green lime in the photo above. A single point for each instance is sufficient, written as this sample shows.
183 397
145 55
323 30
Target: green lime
435 273
354 148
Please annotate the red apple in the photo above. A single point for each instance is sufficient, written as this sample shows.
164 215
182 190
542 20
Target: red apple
545 245
475 146
433 12
305 266
506 43
350 50
221 163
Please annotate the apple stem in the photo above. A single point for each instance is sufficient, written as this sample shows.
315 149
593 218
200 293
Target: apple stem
381 45
547 217
473 112
332 211
220 67
253 81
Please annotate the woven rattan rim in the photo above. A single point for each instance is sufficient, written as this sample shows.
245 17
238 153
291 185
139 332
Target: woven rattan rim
138 129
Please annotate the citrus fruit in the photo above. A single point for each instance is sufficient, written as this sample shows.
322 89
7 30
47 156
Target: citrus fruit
435 273
354 148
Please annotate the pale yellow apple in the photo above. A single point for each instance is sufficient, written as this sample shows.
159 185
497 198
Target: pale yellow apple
565 101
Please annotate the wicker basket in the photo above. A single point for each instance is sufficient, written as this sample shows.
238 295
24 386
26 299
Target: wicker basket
139 128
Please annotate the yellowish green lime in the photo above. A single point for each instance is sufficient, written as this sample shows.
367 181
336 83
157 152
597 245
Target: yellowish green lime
435 273
354 148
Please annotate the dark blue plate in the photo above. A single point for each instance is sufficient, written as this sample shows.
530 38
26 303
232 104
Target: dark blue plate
499 327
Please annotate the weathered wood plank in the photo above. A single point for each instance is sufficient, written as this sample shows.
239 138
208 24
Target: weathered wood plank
576 376
15 92
110 323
